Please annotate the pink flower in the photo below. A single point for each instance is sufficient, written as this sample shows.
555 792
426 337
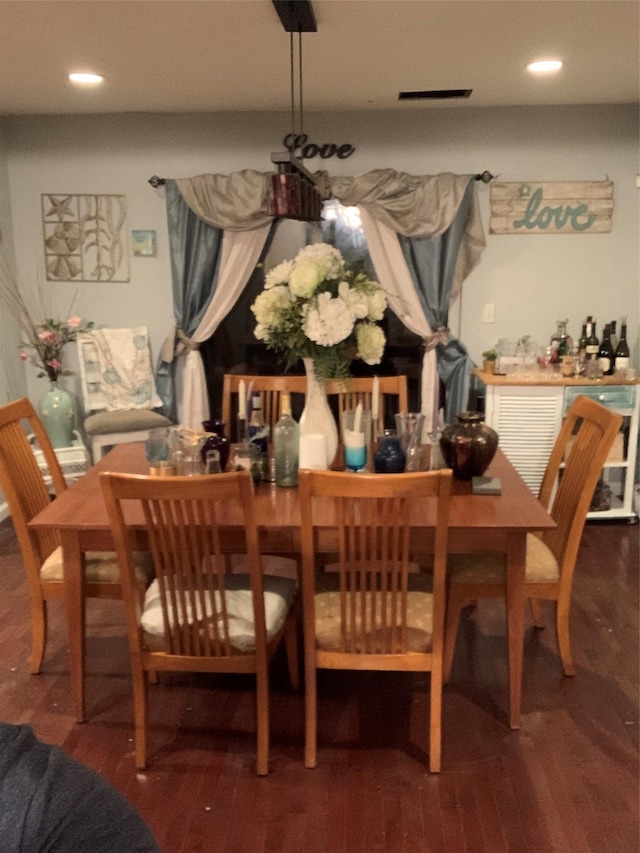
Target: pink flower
48 338
74 322
55 364
24 356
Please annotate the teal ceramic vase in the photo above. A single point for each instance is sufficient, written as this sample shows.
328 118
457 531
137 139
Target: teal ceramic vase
56 409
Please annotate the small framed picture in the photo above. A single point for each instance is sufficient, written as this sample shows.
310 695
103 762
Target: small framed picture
144 243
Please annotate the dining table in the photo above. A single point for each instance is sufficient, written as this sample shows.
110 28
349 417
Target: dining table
477 523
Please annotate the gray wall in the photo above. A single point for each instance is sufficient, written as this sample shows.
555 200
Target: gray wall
532 280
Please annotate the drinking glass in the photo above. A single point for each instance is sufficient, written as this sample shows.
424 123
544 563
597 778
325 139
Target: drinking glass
158 452
356 437
409 427
246 457
156 446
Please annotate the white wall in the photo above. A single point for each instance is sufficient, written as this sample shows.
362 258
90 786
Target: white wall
12 378
532 280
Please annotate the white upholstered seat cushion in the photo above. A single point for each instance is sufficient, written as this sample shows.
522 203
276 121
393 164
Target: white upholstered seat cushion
541 566
101 567
278 598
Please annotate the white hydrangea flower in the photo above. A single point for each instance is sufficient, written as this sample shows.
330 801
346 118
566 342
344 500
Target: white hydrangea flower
269 305
371 342
377 304
278 275
327 257
305 278
261 332
356 300
329 322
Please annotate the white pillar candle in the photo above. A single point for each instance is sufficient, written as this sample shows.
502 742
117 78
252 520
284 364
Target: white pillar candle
357 418
375 394
242 400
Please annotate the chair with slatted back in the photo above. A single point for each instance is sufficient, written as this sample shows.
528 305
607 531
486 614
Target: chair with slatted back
573 469
372 613
196 617
26 494
360 389
270 387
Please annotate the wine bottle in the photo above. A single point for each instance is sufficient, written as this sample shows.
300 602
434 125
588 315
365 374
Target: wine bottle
614 335
593 344
622 350
591 367
582 343
564 339
606 355
258 429
286 441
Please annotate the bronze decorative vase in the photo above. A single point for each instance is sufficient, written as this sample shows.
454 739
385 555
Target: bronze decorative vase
468 446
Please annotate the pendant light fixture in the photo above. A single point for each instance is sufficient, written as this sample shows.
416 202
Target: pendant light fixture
293 192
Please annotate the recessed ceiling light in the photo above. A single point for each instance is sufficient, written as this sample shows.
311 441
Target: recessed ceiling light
86 79
544 66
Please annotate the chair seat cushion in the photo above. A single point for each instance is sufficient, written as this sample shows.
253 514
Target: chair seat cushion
278 598
541 566
101 567
126 421
419 623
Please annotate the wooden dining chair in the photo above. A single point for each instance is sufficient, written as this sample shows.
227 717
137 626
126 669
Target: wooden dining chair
360 389
372 613
26 494
270 387
571 474
196 617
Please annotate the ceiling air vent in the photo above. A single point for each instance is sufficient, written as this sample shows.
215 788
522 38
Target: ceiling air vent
435 95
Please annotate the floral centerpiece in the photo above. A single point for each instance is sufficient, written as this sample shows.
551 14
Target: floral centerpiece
46 341
316 307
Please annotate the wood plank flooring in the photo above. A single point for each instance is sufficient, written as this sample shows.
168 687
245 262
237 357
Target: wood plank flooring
567 781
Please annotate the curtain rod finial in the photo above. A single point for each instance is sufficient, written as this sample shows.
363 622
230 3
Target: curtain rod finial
486 177
155 181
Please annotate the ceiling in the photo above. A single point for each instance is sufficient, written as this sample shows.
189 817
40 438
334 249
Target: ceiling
228 55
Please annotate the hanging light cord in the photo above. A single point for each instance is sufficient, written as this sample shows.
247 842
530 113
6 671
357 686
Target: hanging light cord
300 80
291 75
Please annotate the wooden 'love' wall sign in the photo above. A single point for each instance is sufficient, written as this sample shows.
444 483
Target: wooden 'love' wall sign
557 207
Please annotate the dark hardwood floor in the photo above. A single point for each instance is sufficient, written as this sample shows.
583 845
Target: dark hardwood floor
567 781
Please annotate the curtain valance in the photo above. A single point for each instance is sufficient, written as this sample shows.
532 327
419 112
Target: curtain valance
418 206
234 202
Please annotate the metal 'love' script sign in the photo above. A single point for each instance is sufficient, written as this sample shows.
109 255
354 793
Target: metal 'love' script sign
557 207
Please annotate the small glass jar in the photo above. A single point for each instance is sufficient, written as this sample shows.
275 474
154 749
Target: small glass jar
389 457
216 440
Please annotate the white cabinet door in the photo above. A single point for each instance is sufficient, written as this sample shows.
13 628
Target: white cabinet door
527 420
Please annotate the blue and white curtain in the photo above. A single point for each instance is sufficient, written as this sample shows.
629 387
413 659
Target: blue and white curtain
216 237
424 235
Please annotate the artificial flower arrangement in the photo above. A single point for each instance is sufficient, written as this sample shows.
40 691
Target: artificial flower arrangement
317 307
42 340
47 340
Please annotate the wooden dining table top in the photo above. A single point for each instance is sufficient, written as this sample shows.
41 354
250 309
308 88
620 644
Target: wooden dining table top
81 507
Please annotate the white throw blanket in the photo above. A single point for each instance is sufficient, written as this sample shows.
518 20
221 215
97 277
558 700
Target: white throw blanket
125 369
